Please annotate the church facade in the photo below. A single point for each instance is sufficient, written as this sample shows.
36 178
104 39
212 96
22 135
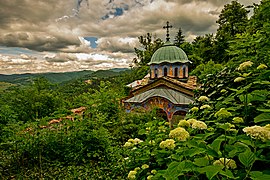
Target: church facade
168 87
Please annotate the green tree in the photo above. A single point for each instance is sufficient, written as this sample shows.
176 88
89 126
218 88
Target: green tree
203 47
232 21
149 45
254 43
179 38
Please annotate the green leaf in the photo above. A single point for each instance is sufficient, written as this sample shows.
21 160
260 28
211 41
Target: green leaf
262 117
264 110
201 161
258 175
227 173
216 143
210 171
174 170
247 158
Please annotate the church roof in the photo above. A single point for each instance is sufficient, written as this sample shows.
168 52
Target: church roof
169 53
173 96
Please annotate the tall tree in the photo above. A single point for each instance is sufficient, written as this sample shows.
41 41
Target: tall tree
232 21
179 38
203 47
149 45
254 44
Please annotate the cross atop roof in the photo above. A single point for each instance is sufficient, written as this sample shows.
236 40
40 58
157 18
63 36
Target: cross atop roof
167 27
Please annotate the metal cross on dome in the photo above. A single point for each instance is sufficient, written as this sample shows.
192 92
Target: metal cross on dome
167 27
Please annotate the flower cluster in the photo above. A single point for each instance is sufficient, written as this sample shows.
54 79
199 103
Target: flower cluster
258 132
132 174
151 175
199 125
206 106
238 120
203 98
183 123
262 66
239 79
168 143
179 133
223 113
145 166
194 109
191 121
132 142
224 162
245 65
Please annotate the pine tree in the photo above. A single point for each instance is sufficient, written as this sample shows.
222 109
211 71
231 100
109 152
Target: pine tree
179 38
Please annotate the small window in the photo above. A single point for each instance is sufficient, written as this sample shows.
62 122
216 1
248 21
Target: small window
156 72
184 72
175 72
165 71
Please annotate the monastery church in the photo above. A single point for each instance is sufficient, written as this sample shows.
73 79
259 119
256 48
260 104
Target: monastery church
168 87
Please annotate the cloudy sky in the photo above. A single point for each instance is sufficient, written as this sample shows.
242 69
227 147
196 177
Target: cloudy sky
73 35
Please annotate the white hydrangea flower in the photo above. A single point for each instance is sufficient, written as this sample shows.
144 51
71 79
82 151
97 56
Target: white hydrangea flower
224 162
258 132
245 65
179 133
199 125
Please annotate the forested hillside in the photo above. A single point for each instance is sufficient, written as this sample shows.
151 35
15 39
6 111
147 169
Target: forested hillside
79 130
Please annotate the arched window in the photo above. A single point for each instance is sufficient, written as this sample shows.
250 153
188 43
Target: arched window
156 72
176 72
184 72
165 71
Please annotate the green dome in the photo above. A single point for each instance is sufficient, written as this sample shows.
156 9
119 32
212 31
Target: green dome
169 54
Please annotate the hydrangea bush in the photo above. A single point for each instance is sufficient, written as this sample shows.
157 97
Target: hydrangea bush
225 135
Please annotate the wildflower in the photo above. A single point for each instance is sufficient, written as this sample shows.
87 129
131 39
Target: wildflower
183 123
267 126
239 79
154 171
150 177
258 132
194 109
161 129
191 121
179 133
168 143
152 142
137 169
128 144
224 162
223 113
238 120
145 166
203 98
206 106
132 174
137 141
199 125
245 65
246 74
262 66
223 91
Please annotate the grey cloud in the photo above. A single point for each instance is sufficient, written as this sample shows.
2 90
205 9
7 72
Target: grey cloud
116 45
61 58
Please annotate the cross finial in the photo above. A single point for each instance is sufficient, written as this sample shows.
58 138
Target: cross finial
167 27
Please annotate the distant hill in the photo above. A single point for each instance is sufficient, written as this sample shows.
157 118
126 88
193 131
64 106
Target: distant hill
5 85
22 79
